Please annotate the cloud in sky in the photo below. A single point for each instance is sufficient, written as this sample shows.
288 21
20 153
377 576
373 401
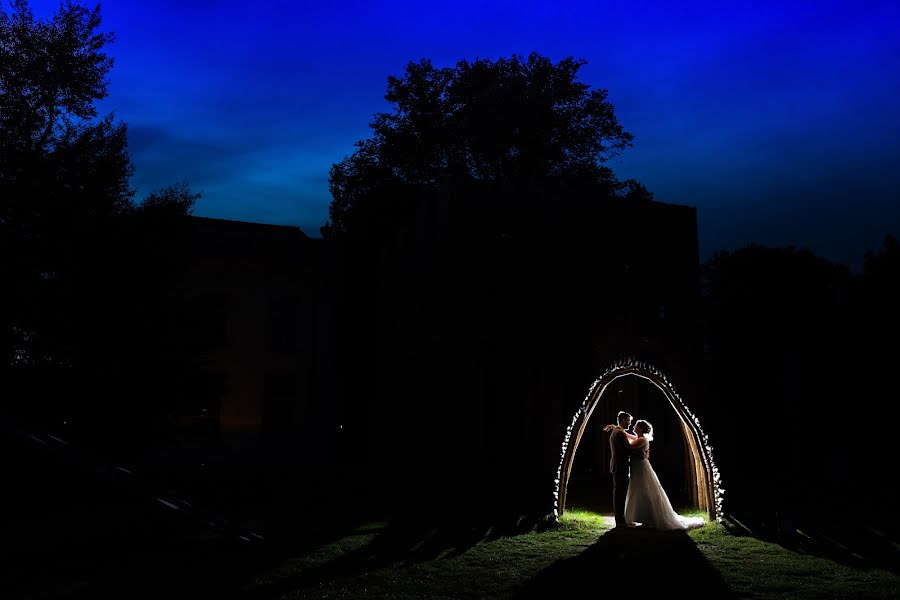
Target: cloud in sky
777 120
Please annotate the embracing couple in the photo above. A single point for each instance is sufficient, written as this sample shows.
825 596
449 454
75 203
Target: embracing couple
639 499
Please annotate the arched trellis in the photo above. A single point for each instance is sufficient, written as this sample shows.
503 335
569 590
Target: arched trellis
707 492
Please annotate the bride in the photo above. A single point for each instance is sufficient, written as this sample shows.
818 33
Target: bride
646 502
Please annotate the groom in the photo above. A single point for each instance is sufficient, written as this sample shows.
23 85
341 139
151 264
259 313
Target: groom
619 465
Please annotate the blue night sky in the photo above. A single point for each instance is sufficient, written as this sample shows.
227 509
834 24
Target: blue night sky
779 121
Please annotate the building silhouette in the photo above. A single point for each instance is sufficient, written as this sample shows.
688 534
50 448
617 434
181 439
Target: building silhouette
255 323
484 313
444 348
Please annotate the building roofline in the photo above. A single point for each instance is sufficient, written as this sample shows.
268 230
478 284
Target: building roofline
247 225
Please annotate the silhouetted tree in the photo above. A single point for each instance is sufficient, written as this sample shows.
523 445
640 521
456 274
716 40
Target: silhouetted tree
875 350
634 190
59 166
780 342
881 270
176 200
81 264
878 297
518 120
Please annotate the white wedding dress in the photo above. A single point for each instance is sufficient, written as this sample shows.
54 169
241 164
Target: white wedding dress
646 502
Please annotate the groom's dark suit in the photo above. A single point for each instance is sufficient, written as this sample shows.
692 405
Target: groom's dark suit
619 465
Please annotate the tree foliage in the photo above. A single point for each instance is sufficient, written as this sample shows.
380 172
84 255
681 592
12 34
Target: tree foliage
175 200
51 74
57 160
60 166
520 120
64 188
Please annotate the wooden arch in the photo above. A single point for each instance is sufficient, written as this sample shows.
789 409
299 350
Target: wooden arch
706 492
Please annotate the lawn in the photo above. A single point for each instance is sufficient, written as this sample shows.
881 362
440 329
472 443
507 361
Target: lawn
583 556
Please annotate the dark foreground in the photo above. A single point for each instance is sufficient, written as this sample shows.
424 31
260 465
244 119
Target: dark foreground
77 528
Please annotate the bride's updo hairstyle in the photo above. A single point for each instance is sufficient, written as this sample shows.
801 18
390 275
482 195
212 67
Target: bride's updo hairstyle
646 427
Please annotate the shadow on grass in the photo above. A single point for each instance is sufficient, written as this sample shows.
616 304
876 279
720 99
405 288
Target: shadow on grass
410 539
627 561
842 535
132 549
80 527
76 526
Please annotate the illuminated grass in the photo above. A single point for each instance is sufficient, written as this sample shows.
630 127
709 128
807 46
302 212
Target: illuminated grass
757 569
500 567
579 519
695 513
495 568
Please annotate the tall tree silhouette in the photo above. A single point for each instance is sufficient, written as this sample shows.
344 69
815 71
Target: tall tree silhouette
60 166
523 120
779 344
81 264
